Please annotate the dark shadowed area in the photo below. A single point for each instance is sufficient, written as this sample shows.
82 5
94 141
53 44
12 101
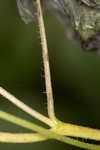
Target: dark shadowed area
75 75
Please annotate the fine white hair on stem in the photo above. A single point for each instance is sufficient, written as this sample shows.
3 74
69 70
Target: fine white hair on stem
49 92
24 107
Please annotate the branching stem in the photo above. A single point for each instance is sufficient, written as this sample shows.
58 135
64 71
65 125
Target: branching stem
46 133
58 130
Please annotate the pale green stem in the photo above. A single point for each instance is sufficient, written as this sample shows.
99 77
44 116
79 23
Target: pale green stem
61 128
49 92
51 113
24 107
21 137
46 132
77 131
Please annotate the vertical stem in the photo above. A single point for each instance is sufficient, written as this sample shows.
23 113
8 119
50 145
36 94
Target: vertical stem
46 63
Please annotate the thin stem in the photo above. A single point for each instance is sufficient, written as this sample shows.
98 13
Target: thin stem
21 137
17 120
61 128
45 132
24 107
48 84
77 131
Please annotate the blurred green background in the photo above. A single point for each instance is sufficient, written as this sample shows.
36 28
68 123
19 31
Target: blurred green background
75 75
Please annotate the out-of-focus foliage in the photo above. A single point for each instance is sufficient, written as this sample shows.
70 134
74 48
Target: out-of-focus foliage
75 75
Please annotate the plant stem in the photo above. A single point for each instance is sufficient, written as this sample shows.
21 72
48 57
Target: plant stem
77 131
24 107
49 92
61 128
46 132
21 137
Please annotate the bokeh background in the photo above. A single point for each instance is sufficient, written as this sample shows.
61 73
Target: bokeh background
75 75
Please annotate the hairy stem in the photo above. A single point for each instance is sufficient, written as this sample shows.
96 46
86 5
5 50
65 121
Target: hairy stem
24 107
48 134
77 131
48 84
